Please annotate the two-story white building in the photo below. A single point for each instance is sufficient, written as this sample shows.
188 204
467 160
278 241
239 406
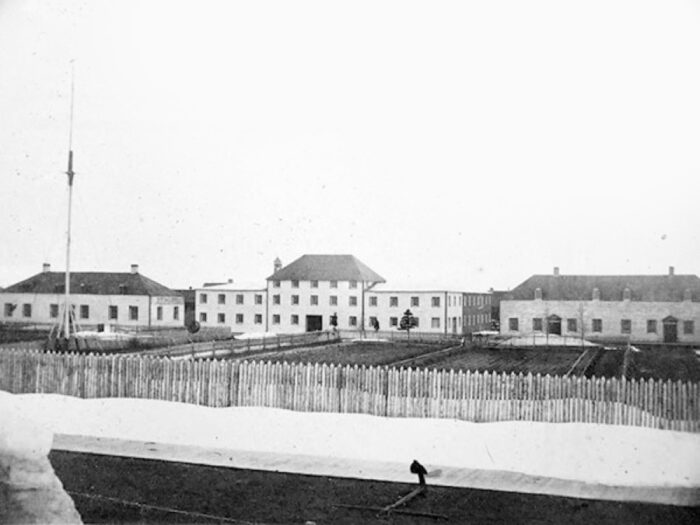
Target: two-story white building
306 294
98 299
609 308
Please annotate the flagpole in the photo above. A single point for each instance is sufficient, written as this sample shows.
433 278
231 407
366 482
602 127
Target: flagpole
70 173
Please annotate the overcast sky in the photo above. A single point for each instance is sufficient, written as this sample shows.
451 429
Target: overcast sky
446 144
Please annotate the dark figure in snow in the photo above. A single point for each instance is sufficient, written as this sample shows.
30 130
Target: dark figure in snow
417 468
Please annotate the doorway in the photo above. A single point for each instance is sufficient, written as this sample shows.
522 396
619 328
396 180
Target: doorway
554 324
670 330
314 323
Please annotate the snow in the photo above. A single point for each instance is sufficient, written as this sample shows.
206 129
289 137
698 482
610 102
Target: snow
540 339
605 454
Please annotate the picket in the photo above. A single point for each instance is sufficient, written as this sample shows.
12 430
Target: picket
402 392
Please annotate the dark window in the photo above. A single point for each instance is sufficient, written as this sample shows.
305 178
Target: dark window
352 320
85 311
202 298
295 319
435 322
203 317
222 298
393 301
352 284
373 300
275 284
333 300
53 310
513 324
626 326
688 327
258 298
295 284
239 318
435 301
415 301
113 313
134 313
334 284
571 325
221 318
239 298
393 321
314 284
159 313
258 318
295 299
352 300
651 326
176 313
537 324
275 299
314 300
416 322
597 325
276 319
372 321
26 310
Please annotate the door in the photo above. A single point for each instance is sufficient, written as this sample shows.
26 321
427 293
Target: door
670 330
554 324
314 323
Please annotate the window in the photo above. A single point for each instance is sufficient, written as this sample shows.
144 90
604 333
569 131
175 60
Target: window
258 298
393 321
276 299
352 284
314 300
352 320
415 301
435 301
239 318
26 310
373 300
203 317
597 325
536 324
276 319
571 325
9 308
159 313
651 326
176 313
372 321
112 313
221 318
625 326
258 318
314 284
334 284
53 310
393 301
416 322
295 319
295 284
352 300
134 313
275 284
295 299
435 322
688 327
222 298
333 300
513 324
239 298
202 298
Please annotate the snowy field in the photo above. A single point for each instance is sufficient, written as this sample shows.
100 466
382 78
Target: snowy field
592 454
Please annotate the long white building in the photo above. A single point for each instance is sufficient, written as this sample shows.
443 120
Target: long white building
304 296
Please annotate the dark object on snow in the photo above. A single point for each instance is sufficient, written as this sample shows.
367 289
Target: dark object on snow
417 468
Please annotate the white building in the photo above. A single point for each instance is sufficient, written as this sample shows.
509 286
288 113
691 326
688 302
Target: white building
99 299
304 295
611 308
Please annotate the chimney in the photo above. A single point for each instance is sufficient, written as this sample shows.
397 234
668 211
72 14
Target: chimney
134 268
277 264
46 268
556 270
230 281
671 270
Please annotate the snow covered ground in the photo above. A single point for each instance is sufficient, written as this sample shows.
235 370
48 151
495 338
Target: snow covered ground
603 455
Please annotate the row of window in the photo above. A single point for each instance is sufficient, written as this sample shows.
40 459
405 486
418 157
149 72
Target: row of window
597 325
84 311
314 284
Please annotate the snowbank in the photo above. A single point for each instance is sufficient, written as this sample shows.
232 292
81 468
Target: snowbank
604 454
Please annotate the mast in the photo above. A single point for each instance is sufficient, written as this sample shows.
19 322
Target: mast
70 173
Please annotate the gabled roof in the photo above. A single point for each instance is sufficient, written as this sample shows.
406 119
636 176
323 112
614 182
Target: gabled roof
327 268
93 283
611 287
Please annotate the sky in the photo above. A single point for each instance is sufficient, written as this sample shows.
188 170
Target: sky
460 145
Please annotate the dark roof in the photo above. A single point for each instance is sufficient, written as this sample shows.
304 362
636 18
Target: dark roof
611 287
326 268
97 283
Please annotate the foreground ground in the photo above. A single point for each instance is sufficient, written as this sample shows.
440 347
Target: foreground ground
269 497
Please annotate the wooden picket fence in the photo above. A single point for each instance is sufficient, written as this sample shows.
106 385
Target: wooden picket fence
382 391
